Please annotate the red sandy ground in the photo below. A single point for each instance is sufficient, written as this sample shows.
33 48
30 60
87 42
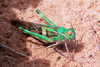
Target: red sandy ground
79 13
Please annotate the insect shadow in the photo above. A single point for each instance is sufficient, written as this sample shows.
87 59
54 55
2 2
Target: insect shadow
72 45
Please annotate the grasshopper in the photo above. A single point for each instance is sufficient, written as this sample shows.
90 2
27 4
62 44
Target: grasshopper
46 33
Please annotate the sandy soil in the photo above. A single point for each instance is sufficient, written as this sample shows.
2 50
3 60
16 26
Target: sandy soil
80 13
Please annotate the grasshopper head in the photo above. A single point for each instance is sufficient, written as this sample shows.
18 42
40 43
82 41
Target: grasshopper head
70 34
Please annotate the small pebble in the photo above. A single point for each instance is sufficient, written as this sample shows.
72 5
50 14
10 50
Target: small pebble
90 56
59 57
98 21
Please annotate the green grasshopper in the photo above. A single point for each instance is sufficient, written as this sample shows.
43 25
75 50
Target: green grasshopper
46 33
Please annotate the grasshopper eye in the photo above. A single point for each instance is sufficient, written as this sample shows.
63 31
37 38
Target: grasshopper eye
70 32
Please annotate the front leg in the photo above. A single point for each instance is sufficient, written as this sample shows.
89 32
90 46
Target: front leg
53 44
62 54
66 47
